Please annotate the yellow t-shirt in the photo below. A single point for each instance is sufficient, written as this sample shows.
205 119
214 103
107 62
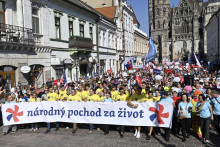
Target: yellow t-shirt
86 93
74 98
62 94
98 90
82 94
136 97
143 91
156 98
127 93
149 100
94 97
33 100
121 97
52 96
114 94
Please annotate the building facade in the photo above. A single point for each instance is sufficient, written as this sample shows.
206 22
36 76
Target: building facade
179 30
107 43
24 42
141 46
213 39
73 39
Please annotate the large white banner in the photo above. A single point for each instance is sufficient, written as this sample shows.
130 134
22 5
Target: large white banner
117 113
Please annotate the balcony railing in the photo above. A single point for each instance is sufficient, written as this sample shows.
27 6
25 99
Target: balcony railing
80 42
16 34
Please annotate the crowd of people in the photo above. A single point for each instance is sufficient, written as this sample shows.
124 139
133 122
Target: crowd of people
196 106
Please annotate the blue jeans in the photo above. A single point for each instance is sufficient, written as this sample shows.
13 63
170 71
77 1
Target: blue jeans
91 127
48 126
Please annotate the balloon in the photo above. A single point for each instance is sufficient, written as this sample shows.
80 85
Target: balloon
176 79
158 77
188 88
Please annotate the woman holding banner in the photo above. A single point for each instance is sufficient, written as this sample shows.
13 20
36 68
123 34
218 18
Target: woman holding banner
10 100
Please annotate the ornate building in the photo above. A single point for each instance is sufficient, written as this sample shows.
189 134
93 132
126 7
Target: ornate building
180 30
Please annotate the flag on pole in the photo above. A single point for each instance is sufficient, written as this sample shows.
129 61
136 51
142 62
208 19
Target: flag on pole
154 62
138 79
197 61
152 54
128 63
65 80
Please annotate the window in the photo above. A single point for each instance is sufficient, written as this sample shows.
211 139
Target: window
35 20
57 28
164 11
81 29
91 32
164 24
103 39
2 12
158 11
158 24
71 28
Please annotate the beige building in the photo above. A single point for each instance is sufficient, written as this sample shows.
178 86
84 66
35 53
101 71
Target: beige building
140 46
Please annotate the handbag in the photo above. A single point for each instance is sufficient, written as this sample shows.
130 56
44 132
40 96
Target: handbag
198 112
183 113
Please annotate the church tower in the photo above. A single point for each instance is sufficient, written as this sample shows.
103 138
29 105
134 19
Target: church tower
159 18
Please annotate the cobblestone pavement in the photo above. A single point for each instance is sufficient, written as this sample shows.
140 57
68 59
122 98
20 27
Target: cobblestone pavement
65 138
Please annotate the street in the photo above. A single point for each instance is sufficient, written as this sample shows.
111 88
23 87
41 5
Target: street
65 138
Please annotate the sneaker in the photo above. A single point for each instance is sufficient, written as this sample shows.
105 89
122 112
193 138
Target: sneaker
35 129
135 134
184 140
90 132
188 136
32 129
204 141
47 131
98 129
12 131
207 141
159 134
122 135
138 135
106 133
148 137
67 128
57 129
74 131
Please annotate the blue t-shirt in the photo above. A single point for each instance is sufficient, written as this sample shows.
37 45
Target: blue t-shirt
216 109
12 102
168 99
107 100
182 106
205 112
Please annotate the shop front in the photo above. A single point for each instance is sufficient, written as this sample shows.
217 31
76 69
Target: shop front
7 76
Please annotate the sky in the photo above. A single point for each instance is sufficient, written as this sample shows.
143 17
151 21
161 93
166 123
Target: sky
140 8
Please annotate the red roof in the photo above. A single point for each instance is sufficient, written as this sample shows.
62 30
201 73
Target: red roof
108 12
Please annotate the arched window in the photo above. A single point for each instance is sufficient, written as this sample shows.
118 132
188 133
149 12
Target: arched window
185 27
158 11
164 24
164 11
158 24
